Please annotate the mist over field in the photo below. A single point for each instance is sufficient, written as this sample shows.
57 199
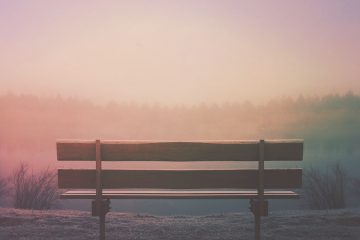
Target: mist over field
30 125
187 70
180 52
175 70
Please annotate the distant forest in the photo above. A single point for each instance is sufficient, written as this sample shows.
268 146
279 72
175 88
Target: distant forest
30 125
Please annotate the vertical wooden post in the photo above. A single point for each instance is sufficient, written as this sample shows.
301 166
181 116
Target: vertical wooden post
99 191
260 189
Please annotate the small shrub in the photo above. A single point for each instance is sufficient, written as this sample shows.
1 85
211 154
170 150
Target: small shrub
34 191
3 187
355 182
325 189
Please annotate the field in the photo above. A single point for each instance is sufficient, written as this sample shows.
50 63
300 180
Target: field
64 224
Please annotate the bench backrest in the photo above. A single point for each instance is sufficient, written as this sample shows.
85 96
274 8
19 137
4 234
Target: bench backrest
259 151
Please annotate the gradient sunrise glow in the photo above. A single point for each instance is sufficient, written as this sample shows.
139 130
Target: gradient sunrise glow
179 52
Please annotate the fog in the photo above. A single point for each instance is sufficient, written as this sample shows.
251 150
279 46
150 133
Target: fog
188 52
30 125
179 70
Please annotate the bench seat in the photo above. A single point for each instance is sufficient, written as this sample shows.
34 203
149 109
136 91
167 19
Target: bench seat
256 184
176 194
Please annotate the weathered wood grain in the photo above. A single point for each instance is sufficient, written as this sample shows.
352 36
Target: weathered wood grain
180 179
275 150
165 194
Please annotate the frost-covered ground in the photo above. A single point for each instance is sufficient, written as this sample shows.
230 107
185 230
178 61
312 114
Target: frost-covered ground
62 224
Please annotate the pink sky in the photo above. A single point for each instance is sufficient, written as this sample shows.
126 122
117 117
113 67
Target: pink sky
179 52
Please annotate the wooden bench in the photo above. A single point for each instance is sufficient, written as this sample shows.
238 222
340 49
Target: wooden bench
103 185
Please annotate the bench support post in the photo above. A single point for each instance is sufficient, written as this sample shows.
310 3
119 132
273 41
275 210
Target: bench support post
260 201
99 207
102 226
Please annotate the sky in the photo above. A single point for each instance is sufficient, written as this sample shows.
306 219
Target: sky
179 52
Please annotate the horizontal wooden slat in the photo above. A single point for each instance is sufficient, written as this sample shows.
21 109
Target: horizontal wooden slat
164 194
81 151
180 179
284 151
276 150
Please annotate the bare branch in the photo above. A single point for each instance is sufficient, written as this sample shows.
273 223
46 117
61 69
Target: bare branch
34 191
326 190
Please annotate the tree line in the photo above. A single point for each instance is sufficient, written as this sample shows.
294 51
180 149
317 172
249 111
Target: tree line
330 125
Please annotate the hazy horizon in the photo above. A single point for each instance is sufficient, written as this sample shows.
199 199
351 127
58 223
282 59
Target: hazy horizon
188 52
30 127
155 104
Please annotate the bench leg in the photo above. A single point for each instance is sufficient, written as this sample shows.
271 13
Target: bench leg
257 226
101 208
259 208
255 209
102 226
